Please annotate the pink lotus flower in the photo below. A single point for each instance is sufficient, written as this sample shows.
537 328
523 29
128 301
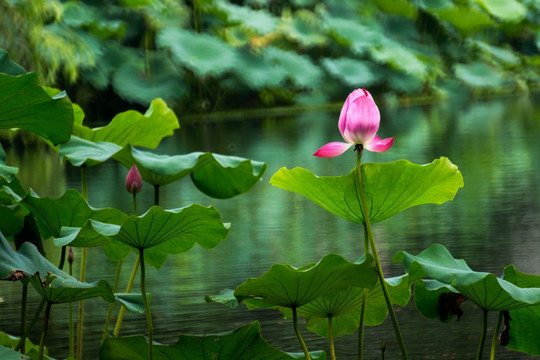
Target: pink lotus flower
358 123
133 180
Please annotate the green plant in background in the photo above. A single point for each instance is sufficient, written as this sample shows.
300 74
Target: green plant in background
274 53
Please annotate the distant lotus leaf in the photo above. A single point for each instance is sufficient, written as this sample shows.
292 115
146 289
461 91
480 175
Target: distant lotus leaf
484 289
225 297
287 286
8 67
347 30
7 173
24 104
81 152
299 68
261 21
160 232
202 53
132 127
51 283
351 71
256 71
465 19
505 56
399 7
479 75
399 57
244 343
390 187
69 210
304 27
219 176
506 10
133 83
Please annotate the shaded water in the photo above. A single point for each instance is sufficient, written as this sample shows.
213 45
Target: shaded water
493 221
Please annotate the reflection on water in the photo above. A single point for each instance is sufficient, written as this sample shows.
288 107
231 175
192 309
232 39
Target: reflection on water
493 221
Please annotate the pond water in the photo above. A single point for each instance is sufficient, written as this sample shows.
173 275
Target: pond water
494 221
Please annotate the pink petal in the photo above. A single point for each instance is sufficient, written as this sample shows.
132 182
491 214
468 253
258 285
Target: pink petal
332 149
362 122
379 145
352 97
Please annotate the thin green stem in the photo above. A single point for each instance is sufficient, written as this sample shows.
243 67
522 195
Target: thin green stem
135 204
128 290
111 305
495 334
80 312
23 313
62 258
482 335
45 327
361 326
367 223
298 334
29 328
71 330
156 195
146 305
331 338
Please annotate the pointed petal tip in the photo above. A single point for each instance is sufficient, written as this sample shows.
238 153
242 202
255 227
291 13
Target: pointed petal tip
332 149
379 145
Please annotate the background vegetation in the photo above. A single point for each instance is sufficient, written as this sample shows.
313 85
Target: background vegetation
207 55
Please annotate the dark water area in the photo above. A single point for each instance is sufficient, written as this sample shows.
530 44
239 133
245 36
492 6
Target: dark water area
493 221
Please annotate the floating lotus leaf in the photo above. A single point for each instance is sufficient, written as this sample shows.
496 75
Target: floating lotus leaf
8 67
219 176
70 210
24 104
287 286
132 127
225 297
83 152
484 289
389 187
244 343
51 283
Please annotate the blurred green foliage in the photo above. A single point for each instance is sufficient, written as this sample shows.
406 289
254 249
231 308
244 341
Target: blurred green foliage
204 55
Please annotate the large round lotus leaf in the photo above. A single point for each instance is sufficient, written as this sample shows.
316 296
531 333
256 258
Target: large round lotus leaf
304 28
83 152
299 68
506 10
202 53
351 71
465 18
132 127
484 289
259 20
389 187
7 173
244 343
51 283
69 210
256 71
398 7
287 286
24 104
346 31
479 75
8 67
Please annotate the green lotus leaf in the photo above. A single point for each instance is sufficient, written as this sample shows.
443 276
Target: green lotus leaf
437 300
257 71
346 32
219 176
24 104
225 297
7 173
479 75
344 306
398 7
202 53
8 67
8 354
132 127
484 289
352 71
259 20
10 342
83 152
389 187
299 68
304 27
51 283
132 301
70 210
11 219
466 19
505 10
244 343
287 286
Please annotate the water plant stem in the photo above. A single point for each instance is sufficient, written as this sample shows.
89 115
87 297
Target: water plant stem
146 305
482 335
494 339
44 331
298 334
80 313
331 338
371 240
62 258
361 326
156 195
135 204
23 313
118 325
111 305
29 328
71 329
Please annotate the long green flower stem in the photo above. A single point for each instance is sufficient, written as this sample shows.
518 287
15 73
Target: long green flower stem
29 328
384 288
331 338
298 334
23 313
128 290
156 195
494 339
146 305
71 330
80 313
364 305
482 335
111 305
45 327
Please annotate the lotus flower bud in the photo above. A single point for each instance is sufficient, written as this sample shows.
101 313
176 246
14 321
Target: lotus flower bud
133 180
70 256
